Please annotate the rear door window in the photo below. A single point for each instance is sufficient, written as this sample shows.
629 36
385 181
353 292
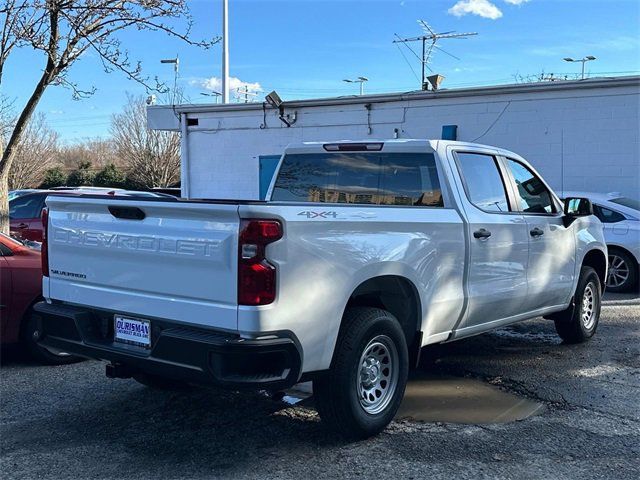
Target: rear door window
483 182
366 178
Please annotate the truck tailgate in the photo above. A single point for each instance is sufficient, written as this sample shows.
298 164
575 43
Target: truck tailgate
179 262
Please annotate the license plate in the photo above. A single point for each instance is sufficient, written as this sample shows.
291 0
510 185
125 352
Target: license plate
132 331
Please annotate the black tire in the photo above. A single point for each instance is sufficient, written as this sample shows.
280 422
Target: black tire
349 405
30 335
160 383
623 272
572 324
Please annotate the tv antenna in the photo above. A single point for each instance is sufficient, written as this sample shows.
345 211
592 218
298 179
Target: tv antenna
429 40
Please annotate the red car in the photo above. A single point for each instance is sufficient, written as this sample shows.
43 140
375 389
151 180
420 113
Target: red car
20 288
24 214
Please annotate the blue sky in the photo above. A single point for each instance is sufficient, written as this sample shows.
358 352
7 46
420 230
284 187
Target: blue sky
304 48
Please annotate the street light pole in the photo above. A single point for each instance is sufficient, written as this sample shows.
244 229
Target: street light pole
213 93
359 80
584 60
176 67
225 51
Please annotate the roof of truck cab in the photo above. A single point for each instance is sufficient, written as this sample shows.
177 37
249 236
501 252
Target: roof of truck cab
400 145
396 144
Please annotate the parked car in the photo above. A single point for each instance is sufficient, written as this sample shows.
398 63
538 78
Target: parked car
17 193
24 210
621 219
363 254
20 288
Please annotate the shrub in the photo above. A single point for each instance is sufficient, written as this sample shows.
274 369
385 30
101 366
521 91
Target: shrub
110 176
82 176
54 177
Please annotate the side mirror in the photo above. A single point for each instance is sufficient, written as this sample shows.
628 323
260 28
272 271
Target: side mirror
578 207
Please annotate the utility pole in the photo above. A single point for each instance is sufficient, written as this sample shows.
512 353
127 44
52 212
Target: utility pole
225 51
244 92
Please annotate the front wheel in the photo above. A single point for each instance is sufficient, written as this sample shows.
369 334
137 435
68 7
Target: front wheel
360 394
578 324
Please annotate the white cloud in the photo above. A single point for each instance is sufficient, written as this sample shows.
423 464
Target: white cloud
516 2
482 8
215 84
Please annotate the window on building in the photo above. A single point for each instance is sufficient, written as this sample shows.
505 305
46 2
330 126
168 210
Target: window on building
359 178
483 182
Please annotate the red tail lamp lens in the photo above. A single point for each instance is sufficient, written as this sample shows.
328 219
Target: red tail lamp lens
257 279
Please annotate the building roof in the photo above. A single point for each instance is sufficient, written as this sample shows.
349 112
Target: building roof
590 83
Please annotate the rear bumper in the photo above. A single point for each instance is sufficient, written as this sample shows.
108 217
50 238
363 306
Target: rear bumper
182 352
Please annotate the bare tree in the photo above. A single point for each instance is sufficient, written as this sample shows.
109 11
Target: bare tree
63 30
543 77
152 157
36 152
6 119
100 152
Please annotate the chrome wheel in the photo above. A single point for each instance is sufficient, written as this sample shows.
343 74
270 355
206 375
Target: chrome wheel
618 271
378 374
587 314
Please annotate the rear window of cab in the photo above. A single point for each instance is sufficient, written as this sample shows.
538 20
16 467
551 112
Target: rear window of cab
367 178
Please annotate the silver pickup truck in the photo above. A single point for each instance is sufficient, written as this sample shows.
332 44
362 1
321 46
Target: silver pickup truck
363 253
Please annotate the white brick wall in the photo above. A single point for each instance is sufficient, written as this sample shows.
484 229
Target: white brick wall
580 136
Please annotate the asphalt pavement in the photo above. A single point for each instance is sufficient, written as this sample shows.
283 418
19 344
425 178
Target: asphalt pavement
73 422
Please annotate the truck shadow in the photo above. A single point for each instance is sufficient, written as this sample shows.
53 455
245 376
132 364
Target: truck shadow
217 428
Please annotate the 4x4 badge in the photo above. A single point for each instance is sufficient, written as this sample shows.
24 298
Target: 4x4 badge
324 214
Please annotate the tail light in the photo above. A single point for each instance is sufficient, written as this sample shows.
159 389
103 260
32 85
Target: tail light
44 250
256 276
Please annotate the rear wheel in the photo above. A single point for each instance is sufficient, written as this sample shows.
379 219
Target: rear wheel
31 333
579 323
359 396
622 275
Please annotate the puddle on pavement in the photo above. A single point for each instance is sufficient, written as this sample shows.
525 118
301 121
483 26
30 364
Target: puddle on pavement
431 398
436 398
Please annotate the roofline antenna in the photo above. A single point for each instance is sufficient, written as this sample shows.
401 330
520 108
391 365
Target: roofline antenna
429 40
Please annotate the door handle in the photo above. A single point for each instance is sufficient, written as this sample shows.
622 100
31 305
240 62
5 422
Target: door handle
482 233
536 232
22 225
